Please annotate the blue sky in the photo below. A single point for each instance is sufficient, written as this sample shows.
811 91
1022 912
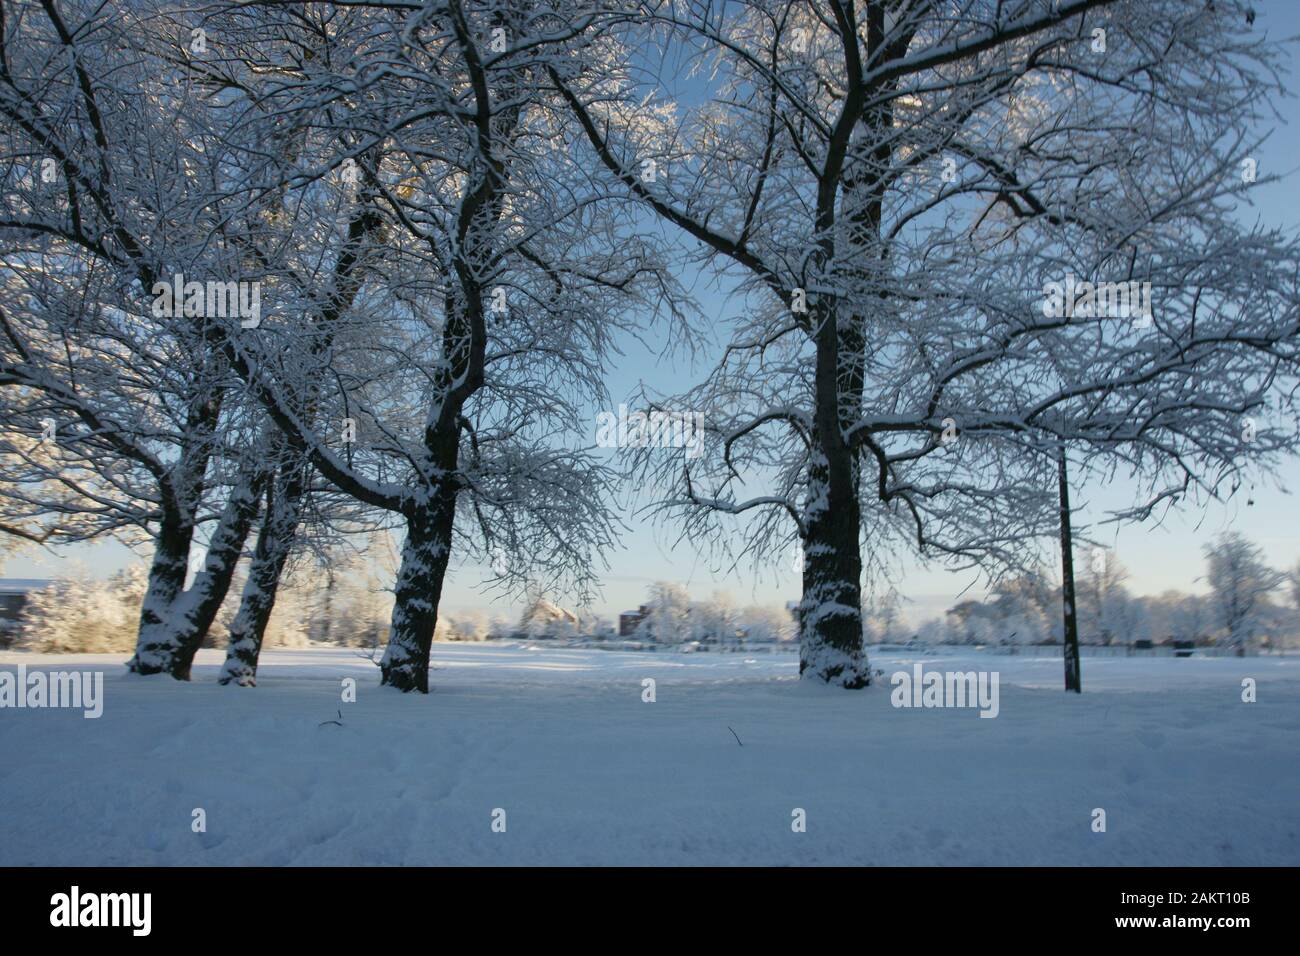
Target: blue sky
1158 556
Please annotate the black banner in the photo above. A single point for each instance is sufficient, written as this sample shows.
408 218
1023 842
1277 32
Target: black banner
149 905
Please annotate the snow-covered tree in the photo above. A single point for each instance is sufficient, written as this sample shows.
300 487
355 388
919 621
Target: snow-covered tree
510 275
1241 585
972 240
83 616
764 623
466 626
1105 607
933 631
1029 604
668 618
883 621
713 621
441 286
903 191
1175 615
104 206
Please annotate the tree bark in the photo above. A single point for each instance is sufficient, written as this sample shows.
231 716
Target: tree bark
830 619
425 555
274 542
194 611
830 613
153 648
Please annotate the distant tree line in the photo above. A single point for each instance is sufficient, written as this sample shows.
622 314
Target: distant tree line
1246 605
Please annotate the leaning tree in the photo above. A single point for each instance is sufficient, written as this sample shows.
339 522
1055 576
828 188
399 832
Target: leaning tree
134 408
461 369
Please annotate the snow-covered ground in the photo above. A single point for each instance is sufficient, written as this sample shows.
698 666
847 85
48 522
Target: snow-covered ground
586 772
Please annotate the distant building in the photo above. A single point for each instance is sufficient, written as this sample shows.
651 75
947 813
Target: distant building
542 617
13 595
629 621
13 598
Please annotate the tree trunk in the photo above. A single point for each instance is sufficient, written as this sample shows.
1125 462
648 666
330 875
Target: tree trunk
425 554
274 543
195 610
153 648
830 614
830 617
1073 670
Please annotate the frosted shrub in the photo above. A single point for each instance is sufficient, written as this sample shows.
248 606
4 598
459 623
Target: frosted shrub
768 624
88 617
468 626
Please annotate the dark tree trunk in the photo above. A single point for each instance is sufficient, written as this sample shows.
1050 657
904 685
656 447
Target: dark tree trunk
274 543
197 608
1073 671
154 649
425 554
830 614
155 646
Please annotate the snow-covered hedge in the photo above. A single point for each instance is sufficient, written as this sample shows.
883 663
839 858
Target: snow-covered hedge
92 617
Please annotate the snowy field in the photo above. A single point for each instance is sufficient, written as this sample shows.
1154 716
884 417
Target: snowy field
588 773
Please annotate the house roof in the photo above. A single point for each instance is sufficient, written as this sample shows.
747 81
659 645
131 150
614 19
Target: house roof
544 610
22 585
